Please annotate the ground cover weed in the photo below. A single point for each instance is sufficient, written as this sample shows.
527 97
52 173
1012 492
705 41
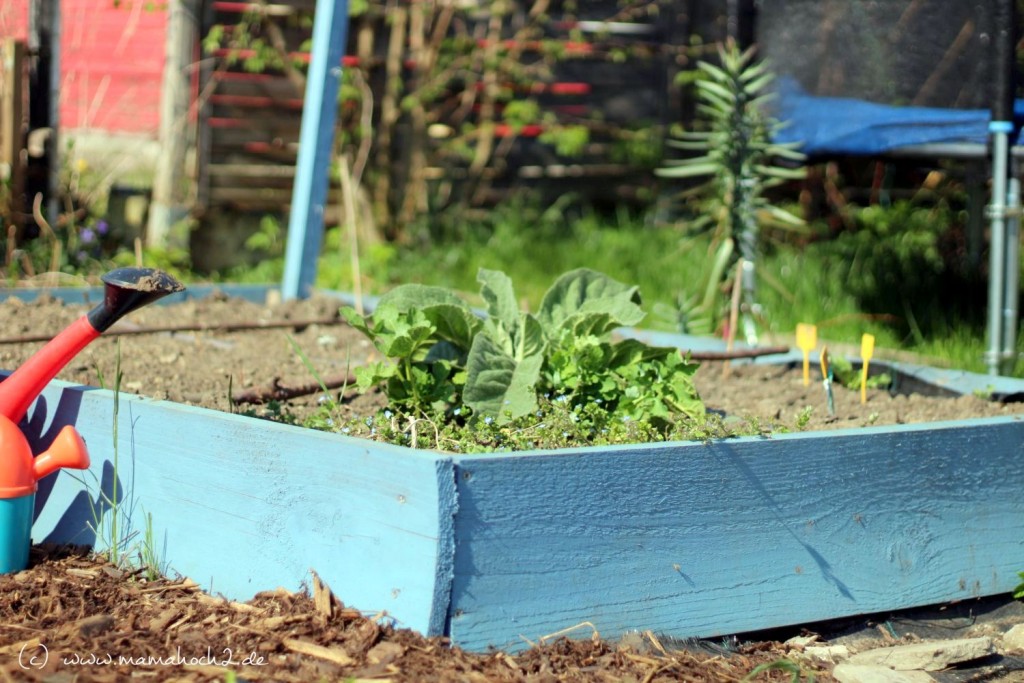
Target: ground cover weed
111 512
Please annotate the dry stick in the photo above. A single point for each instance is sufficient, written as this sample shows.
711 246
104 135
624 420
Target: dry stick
734 314
488 108
416 185
389 113
37 214
12 242
739 353
962 41
348 201
280 45
275 391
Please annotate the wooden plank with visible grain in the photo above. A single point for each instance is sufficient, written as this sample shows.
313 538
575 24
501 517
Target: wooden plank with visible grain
243 505
738 535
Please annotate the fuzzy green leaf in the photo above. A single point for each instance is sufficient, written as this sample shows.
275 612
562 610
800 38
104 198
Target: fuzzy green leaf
585 292
406 297
497 385
496 289
530 340
451 316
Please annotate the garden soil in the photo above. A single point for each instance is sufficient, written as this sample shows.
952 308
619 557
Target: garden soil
71 617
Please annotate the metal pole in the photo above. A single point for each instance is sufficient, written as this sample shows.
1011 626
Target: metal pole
1011 274
997 243
1000 128
316 146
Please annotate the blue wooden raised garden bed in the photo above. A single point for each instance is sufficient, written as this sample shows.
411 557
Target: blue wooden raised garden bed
689 539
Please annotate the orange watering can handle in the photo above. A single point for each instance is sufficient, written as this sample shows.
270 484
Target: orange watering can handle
18 391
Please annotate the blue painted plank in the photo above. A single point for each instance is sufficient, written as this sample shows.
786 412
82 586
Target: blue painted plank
316 148
738 535
242 505
249 292
93 295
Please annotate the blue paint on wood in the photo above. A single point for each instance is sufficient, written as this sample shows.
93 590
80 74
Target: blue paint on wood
258 294
316 147
93 295
242 505
709 539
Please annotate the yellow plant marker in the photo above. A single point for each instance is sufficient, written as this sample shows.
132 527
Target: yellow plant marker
867 348
806 340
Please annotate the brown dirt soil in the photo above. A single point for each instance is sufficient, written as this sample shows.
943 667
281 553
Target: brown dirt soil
72 618
204 367
79 607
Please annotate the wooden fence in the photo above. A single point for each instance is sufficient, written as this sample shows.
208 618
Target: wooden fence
611 75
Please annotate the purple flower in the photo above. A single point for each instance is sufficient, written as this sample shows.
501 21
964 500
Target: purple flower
102 227
87 236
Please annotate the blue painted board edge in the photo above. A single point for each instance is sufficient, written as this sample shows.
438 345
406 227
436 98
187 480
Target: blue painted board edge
702 540
242 505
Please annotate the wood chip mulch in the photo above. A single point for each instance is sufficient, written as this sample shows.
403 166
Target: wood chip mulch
72 617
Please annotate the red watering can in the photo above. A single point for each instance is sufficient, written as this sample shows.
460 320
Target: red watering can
125 290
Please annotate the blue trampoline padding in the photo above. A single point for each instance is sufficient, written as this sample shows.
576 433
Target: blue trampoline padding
839 125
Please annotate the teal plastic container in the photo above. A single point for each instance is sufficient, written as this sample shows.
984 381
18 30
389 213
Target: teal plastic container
15 532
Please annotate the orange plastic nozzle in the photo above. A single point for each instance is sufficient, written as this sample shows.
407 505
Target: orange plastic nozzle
19 471
17 476
67 450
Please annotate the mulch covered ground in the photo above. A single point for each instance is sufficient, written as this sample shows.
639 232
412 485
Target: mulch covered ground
72 617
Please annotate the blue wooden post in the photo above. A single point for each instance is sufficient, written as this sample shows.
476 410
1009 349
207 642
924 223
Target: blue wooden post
316 144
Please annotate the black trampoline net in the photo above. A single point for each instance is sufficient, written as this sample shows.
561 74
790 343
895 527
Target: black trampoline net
929 53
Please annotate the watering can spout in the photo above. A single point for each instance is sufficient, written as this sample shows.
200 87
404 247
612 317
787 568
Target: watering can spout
125 290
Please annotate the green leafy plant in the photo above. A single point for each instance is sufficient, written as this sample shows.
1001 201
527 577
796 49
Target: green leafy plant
1018 592
902 261
785 666
803 417
737 155
848 376
443 358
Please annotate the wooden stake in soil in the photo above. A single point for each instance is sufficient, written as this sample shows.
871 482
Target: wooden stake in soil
734 314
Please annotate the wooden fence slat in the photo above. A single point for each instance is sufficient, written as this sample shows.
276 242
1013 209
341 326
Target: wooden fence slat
12 123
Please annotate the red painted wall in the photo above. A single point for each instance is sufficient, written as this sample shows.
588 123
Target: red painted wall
112 59
14 19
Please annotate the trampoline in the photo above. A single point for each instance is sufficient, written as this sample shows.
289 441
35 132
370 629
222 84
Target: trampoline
931 78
